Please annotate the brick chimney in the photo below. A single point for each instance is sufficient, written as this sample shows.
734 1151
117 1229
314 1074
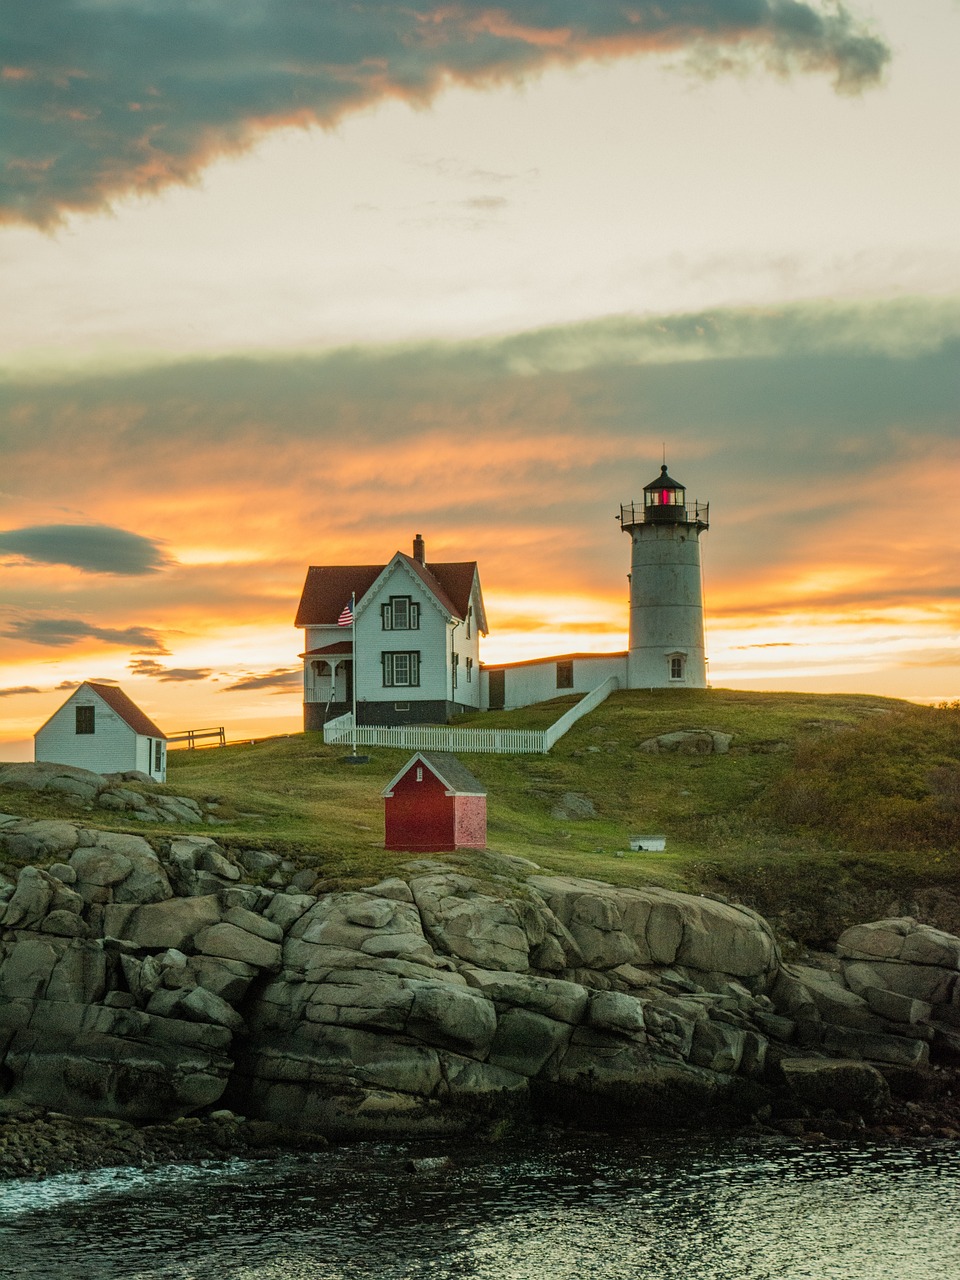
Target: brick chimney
419 550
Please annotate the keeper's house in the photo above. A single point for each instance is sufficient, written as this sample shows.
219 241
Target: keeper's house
101 729
412 650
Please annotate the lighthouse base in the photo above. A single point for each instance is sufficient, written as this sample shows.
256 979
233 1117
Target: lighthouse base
659 667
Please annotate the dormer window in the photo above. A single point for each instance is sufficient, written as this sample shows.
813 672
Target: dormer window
401 613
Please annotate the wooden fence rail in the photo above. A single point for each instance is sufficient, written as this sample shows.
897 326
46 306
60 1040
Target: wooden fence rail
190 736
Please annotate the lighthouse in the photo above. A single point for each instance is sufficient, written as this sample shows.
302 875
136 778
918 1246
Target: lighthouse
666 587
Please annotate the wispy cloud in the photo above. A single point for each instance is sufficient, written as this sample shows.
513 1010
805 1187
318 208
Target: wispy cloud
97 100
167 675
280 680
807 428
91 548
23 688
56 633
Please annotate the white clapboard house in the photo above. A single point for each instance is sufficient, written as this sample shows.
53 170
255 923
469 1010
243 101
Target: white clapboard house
100 728
412 649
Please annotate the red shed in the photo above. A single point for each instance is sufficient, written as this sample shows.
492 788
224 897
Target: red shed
434 804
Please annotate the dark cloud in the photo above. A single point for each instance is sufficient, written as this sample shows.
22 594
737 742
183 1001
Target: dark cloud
92 548
97 100
23 688
70 684
168 675
280 680
56 633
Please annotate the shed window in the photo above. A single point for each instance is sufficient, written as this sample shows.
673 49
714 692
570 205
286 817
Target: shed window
564 675
400 613
157 756
401 668
86 722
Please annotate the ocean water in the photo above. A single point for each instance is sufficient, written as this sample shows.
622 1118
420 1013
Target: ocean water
561 1208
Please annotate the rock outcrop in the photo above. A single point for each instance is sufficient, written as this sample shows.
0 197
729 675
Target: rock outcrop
148 979
107 791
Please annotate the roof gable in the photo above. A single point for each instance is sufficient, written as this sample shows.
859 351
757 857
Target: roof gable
444 765
125 708
329 587
119 704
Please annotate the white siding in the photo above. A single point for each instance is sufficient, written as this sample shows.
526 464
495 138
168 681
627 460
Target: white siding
467 691
430 640
111 748
537 681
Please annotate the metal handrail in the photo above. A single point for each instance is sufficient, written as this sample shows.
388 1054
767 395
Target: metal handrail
636 513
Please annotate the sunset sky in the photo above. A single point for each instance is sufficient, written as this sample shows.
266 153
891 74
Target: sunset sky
285 282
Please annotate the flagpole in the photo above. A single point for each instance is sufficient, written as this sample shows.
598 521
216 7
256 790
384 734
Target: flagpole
353 614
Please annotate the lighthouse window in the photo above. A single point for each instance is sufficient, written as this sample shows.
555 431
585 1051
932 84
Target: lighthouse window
676 668
665 498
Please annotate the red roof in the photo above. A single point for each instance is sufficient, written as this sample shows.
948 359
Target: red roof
128 711
329 587
329 650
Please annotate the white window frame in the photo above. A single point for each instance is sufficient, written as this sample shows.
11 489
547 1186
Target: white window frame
401 668
400 613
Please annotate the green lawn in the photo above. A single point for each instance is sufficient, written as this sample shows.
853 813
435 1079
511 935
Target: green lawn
790 791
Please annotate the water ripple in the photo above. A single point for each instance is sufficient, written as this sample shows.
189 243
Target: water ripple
587 1207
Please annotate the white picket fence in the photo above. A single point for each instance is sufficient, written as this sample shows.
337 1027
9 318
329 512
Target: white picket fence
428 737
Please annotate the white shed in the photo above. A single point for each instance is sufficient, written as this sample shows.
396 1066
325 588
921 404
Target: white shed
100 728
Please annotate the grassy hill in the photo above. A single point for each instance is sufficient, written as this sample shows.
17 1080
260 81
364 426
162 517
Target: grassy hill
826 808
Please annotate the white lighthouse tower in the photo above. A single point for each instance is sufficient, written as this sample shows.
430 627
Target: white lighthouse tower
666 588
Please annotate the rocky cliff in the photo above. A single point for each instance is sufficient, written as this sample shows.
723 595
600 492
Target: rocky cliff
149 979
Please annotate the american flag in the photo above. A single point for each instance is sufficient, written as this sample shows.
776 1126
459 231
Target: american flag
346 616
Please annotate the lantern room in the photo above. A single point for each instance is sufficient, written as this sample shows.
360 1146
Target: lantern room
664 499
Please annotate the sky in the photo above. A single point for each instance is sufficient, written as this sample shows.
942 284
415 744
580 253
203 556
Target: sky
284 283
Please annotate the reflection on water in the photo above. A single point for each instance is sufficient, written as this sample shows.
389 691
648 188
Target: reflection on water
637 1208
